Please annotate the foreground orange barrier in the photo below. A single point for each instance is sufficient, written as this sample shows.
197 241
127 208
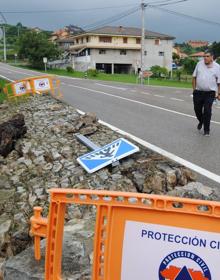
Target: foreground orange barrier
137 236
33 85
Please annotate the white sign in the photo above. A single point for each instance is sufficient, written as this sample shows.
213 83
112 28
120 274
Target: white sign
22 88
156 252
45 59
42 84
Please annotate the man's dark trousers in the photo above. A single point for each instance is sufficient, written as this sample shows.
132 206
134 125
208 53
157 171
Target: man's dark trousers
203 101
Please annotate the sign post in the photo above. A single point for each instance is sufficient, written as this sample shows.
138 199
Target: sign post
45 63
147 74
15 57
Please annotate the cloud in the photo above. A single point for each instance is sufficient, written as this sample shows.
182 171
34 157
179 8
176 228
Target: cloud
182 28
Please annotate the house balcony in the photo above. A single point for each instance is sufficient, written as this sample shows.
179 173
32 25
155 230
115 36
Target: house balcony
94 45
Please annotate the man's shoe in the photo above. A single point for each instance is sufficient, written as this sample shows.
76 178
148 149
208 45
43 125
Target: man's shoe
199 126
206 133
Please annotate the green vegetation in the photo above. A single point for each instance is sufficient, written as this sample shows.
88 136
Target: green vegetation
34 46
189 65
13 33
69 69
2 95
159 72
125 78
215 48
185 48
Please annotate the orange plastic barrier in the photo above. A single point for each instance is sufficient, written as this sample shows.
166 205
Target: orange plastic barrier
137 236
33 85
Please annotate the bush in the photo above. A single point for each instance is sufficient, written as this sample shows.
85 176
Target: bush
69 69
92 72
159 72
189 65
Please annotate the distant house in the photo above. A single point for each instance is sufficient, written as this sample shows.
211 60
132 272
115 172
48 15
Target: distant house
198 44
66 32
36 29
65 43
198 55
118 49
178 51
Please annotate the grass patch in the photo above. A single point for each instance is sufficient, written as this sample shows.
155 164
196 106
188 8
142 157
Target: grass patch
121 78
2 95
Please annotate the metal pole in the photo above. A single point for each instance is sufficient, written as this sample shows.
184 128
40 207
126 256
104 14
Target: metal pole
4 40
143 5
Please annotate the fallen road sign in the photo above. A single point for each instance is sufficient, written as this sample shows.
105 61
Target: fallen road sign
106 155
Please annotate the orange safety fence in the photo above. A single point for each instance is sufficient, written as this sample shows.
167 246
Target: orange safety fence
33 85
133 230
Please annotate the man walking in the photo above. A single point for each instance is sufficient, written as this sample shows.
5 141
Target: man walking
206 85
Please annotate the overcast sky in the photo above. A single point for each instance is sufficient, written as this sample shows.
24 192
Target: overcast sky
156 20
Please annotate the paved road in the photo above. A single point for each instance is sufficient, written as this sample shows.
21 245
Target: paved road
159 115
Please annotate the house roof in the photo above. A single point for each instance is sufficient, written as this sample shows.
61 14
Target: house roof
65 40
127 31
198 54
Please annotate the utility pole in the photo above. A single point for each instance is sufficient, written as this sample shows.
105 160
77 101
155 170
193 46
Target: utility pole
4 35
143 5
4 40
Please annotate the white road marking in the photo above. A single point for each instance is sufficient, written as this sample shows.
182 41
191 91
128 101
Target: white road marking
6 78
157 95
176 99
24 73
141 103
103 85
164 153
147 93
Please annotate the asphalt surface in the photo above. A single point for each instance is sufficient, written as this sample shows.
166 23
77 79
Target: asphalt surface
161 116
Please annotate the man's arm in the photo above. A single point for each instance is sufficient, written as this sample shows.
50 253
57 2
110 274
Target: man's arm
194 83
218 91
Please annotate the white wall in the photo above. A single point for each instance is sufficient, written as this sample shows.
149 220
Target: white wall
133 57
152 58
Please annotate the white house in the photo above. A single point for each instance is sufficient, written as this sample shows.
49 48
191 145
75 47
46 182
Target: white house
118 49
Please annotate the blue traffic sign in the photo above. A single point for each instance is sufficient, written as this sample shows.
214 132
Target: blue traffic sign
106 155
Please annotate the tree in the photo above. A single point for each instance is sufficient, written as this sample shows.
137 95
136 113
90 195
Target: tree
215 48
175 56
159 71
34 46
189 65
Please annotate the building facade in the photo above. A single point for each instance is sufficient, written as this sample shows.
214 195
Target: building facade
198 44
118 50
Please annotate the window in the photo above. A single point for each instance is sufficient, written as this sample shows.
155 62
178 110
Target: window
157 42
105 39
125 40
77 41
102 51
161 53
138 40
87 39
123 52
145 53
